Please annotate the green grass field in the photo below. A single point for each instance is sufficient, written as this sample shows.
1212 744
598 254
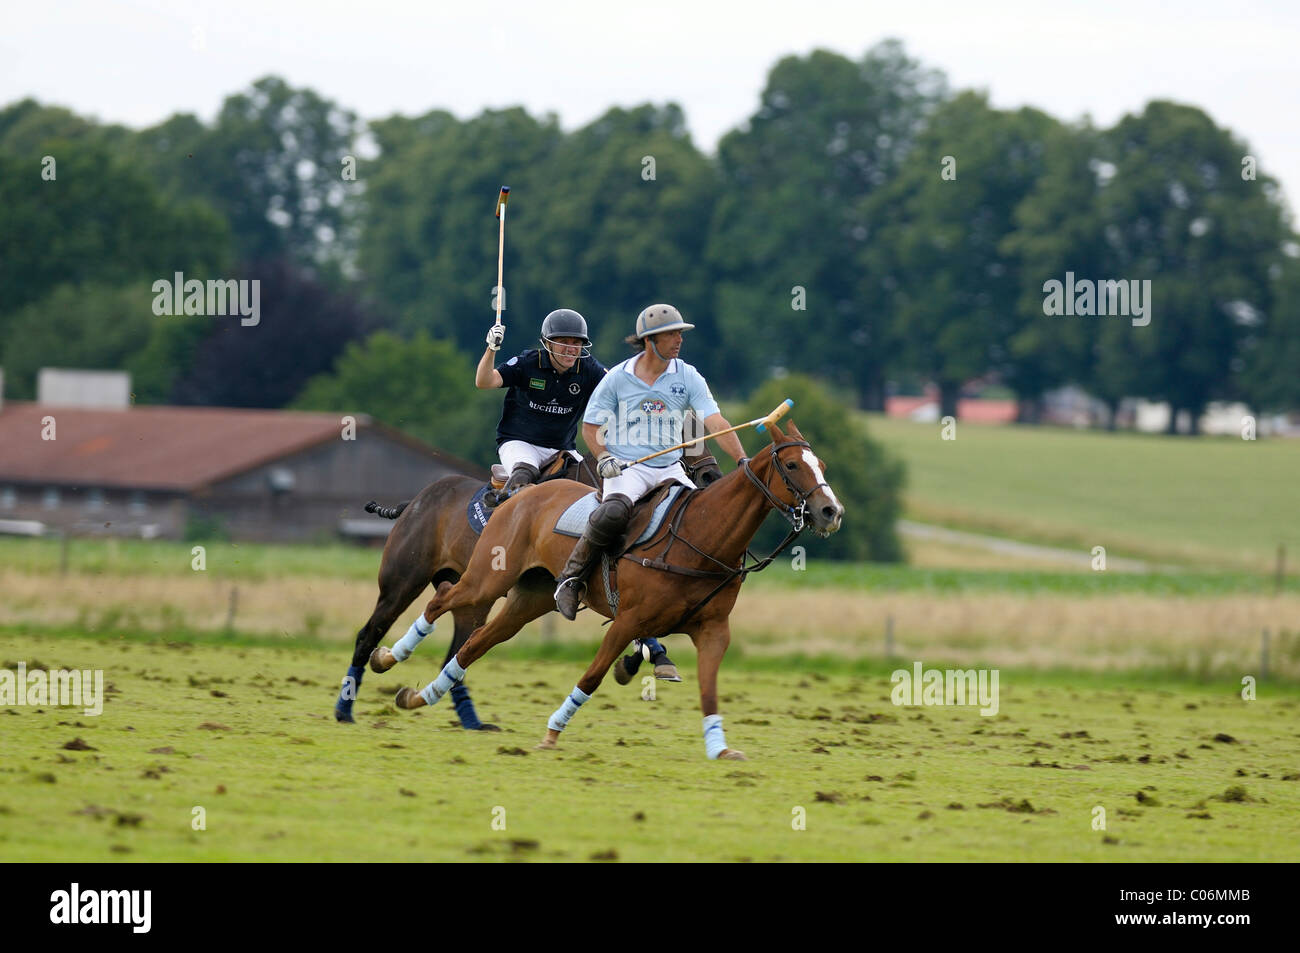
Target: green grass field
243 732
1210 501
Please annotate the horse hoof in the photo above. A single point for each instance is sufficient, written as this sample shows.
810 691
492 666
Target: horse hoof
382 659
408 698
343 717
667 672
731 754
546 744
485 727
623 671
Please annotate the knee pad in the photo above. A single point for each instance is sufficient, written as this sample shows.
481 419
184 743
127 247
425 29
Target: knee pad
610 519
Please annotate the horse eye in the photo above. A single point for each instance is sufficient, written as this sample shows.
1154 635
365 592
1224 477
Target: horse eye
792 466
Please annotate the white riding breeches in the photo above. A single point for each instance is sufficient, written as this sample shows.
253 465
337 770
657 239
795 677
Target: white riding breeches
640 478
515 452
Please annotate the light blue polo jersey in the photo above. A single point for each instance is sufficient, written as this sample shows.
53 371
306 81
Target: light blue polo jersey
644 418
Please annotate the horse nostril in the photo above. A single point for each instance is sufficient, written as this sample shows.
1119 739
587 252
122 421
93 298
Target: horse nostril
828 512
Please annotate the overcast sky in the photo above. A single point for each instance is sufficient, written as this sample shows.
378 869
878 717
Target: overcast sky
139 61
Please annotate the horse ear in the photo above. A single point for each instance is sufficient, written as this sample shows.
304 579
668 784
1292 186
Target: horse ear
774 432
794 431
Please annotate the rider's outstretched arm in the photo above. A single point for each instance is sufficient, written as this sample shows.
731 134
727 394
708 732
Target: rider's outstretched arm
728 442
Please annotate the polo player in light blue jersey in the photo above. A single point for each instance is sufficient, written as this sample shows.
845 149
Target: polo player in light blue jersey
639 407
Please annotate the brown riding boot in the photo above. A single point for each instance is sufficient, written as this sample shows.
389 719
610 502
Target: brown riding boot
522 475
606 525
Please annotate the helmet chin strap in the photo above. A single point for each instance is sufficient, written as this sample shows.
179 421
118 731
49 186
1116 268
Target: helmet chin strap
654 347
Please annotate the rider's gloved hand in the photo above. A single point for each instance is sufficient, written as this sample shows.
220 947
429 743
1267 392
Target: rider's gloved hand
609 466
496 334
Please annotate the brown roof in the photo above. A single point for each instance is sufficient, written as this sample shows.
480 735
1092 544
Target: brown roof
163 448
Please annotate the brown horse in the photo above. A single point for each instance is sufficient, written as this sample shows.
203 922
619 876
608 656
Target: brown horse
431 543
694 593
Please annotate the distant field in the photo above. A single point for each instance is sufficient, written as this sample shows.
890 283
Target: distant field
1208 501
242 734
1192 622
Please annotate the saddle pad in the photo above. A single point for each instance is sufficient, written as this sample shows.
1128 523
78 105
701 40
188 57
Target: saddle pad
476 512
574 519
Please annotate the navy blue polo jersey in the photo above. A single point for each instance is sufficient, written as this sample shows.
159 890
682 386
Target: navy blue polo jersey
544 407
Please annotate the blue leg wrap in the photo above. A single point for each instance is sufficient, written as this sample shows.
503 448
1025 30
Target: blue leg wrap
465 708
348 693
651 649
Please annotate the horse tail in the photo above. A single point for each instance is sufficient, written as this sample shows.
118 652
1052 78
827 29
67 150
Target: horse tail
387 512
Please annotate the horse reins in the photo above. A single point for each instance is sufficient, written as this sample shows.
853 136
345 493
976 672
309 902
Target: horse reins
796 515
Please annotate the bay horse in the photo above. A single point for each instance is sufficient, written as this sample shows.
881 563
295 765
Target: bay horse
694 593
431 544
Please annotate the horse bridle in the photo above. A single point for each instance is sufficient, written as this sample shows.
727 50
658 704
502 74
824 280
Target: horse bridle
796 514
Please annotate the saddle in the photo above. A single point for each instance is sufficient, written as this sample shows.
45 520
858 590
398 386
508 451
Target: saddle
648 516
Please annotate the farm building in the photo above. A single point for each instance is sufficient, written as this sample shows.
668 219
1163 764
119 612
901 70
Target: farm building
79 462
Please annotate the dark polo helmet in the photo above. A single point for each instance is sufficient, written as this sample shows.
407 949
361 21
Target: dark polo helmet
658 318
565 323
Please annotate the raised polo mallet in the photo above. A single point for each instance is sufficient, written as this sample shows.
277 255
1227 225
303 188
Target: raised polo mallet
761 423
501 247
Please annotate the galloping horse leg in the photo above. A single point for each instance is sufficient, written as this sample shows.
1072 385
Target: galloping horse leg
396 592
467 620
711 640
525 602
619 636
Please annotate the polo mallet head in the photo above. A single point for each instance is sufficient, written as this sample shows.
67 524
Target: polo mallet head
502 199
782 409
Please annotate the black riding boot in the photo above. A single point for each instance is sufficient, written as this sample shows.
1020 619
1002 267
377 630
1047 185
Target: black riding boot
522 475
606 525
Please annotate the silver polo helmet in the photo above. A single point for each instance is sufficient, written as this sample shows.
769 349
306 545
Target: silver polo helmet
659 318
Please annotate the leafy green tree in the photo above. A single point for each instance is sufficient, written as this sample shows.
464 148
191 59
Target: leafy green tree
1270 367
301 328
429 240
100 221
829 131
1179 212
951 291
422 386
271 163
867 480
626 222
1058 230
591 224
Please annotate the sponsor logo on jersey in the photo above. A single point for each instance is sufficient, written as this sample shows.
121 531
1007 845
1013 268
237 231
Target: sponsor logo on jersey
536 383
653 405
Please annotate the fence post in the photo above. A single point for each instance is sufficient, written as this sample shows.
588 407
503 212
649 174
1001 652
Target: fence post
230 609
889 636
1263 655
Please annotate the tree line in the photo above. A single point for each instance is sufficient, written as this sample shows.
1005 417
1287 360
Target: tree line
867 227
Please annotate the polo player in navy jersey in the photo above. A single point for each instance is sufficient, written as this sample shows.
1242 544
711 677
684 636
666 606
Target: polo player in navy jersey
547 392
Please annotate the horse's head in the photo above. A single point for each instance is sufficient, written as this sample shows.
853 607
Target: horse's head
804 478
